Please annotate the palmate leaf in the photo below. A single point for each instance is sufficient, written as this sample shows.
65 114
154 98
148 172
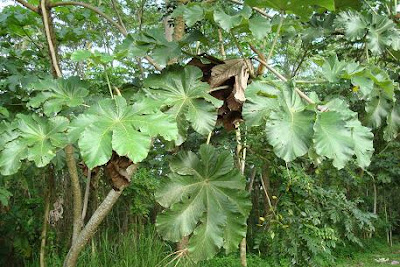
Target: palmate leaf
113 125
393 124
54 94
293 132
186 98
290 128
354 24
33 138
205 197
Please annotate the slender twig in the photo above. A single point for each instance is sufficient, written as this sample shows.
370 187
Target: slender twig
295 70
49 40
86 197
259 10
121 22
278 31
28 6
267 195
108 82
284 79
209 138
152 62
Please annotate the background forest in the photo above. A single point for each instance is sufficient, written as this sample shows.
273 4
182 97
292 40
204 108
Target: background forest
199 133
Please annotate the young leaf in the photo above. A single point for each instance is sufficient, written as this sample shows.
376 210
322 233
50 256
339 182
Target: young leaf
377 109
205 197
228 22
259 26
54 94
354 25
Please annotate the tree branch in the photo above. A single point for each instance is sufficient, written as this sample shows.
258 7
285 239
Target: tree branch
52 49
28 6
121 29
284 79
94 9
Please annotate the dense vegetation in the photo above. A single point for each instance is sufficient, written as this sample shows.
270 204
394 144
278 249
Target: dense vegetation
199 133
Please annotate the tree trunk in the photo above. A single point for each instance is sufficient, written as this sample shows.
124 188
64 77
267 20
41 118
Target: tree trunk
76 191
47 198
91 227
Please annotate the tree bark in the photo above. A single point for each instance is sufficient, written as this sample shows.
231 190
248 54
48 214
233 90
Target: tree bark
91 227
43 236
98 216
76 191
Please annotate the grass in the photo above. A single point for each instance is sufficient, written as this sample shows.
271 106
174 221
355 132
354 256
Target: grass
371 251
147 250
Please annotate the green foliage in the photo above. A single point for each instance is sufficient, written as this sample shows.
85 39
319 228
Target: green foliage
379 32
205 197
4 196
33 138
310 221
140 193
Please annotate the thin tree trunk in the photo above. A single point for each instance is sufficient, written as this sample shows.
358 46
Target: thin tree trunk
76 192
47 198
86 198
375 197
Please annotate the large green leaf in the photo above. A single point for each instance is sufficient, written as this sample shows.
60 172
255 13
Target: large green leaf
205 198
332 139
185 97
54 94
290 128
36 139
114 125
